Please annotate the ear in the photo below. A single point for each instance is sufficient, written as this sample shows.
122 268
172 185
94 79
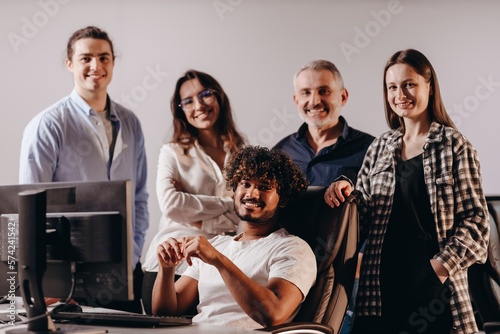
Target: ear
295 100
282 203
69 65
345 96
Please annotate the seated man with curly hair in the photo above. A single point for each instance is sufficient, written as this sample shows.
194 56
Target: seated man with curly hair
257 278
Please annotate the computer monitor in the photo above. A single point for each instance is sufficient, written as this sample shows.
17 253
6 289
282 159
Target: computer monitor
88 233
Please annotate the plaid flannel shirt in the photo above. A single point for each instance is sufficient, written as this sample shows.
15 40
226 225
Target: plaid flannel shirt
453 180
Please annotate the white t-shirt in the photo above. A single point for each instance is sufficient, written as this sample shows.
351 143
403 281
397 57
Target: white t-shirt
204 197
279 255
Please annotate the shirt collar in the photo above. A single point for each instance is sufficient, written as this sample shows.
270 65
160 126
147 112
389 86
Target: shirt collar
345 129
80 102
435 135
435 132
84 106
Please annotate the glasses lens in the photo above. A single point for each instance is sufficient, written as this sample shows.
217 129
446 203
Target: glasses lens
186 104
207 96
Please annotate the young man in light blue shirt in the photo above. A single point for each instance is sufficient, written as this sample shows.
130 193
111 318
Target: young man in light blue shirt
88 137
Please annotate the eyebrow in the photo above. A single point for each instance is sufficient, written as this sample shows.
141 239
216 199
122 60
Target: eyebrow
91 54
317 88
403 81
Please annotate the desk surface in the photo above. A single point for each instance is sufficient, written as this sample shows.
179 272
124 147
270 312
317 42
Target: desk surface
191 329
194 328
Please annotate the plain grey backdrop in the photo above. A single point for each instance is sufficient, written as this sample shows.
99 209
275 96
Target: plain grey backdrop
253 47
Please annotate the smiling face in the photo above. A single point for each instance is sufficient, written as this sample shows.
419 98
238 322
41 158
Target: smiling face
92 66
202 116
319 97
256 201
407 92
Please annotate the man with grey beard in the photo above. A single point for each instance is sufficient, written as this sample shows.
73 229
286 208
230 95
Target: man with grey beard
324 147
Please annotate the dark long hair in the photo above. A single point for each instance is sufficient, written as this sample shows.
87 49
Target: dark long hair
422 66
185 133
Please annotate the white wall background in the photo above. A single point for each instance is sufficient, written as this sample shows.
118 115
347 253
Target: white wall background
253 47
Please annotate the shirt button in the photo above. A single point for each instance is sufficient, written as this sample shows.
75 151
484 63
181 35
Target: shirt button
427 169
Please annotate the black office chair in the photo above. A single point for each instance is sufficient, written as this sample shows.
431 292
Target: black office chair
484 279
333 236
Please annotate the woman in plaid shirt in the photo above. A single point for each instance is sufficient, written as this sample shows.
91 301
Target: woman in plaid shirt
422 211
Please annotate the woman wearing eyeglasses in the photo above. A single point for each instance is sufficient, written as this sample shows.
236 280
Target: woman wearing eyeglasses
190 184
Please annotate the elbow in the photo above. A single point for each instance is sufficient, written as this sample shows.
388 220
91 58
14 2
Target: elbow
270 321
270 317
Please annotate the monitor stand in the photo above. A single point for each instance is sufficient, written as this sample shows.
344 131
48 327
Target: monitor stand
32 265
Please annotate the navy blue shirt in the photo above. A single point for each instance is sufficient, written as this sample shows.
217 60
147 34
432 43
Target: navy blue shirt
342 158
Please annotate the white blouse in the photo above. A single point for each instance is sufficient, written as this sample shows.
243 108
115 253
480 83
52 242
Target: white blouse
203 197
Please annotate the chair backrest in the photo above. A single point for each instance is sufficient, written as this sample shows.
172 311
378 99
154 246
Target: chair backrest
333 236
484 279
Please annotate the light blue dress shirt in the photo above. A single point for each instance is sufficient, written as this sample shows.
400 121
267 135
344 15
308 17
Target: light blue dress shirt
68 142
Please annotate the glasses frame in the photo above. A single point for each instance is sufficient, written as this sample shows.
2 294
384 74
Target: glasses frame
200 99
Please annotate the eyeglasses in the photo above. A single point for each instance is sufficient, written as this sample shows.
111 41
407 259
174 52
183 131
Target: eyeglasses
206 97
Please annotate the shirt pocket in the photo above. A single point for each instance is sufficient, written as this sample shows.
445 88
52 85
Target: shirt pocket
381 180
444 192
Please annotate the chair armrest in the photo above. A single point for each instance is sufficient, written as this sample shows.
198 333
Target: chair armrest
492 327
299 328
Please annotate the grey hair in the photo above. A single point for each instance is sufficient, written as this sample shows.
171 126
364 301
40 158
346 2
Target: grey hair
318 65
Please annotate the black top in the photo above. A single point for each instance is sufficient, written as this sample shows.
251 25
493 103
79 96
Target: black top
410 242
411 228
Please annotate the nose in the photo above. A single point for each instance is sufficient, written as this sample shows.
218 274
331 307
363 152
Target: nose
401 93
94 63
314 99
253 192
197 104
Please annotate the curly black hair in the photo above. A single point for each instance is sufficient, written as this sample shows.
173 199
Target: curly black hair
272 165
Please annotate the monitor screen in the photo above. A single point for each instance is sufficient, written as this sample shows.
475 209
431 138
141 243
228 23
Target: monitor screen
88 237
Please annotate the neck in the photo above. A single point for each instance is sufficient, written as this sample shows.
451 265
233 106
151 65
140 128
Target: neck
95 99
252 231
208 138
320 138
416 129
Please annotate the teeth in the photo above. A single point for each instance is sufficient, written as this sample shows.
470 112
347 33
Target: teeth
316 110
202 114
251 204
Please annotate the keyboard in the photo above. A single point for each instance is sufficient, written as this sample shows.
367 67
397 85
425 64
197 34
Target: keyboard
120 319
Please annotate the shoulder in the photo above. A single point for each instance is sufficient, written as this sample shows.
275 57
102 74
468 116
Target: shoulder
459 142
220 240
285 142
360 135
171 150
53 115
290 241
388 137
292 138
355 134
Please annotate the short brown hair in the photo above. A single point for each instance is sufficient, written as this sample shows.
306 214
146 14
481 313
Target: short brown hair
87 32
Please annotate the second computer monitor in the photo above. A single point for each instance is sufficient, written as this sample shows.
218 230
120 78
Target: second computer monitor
89 238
